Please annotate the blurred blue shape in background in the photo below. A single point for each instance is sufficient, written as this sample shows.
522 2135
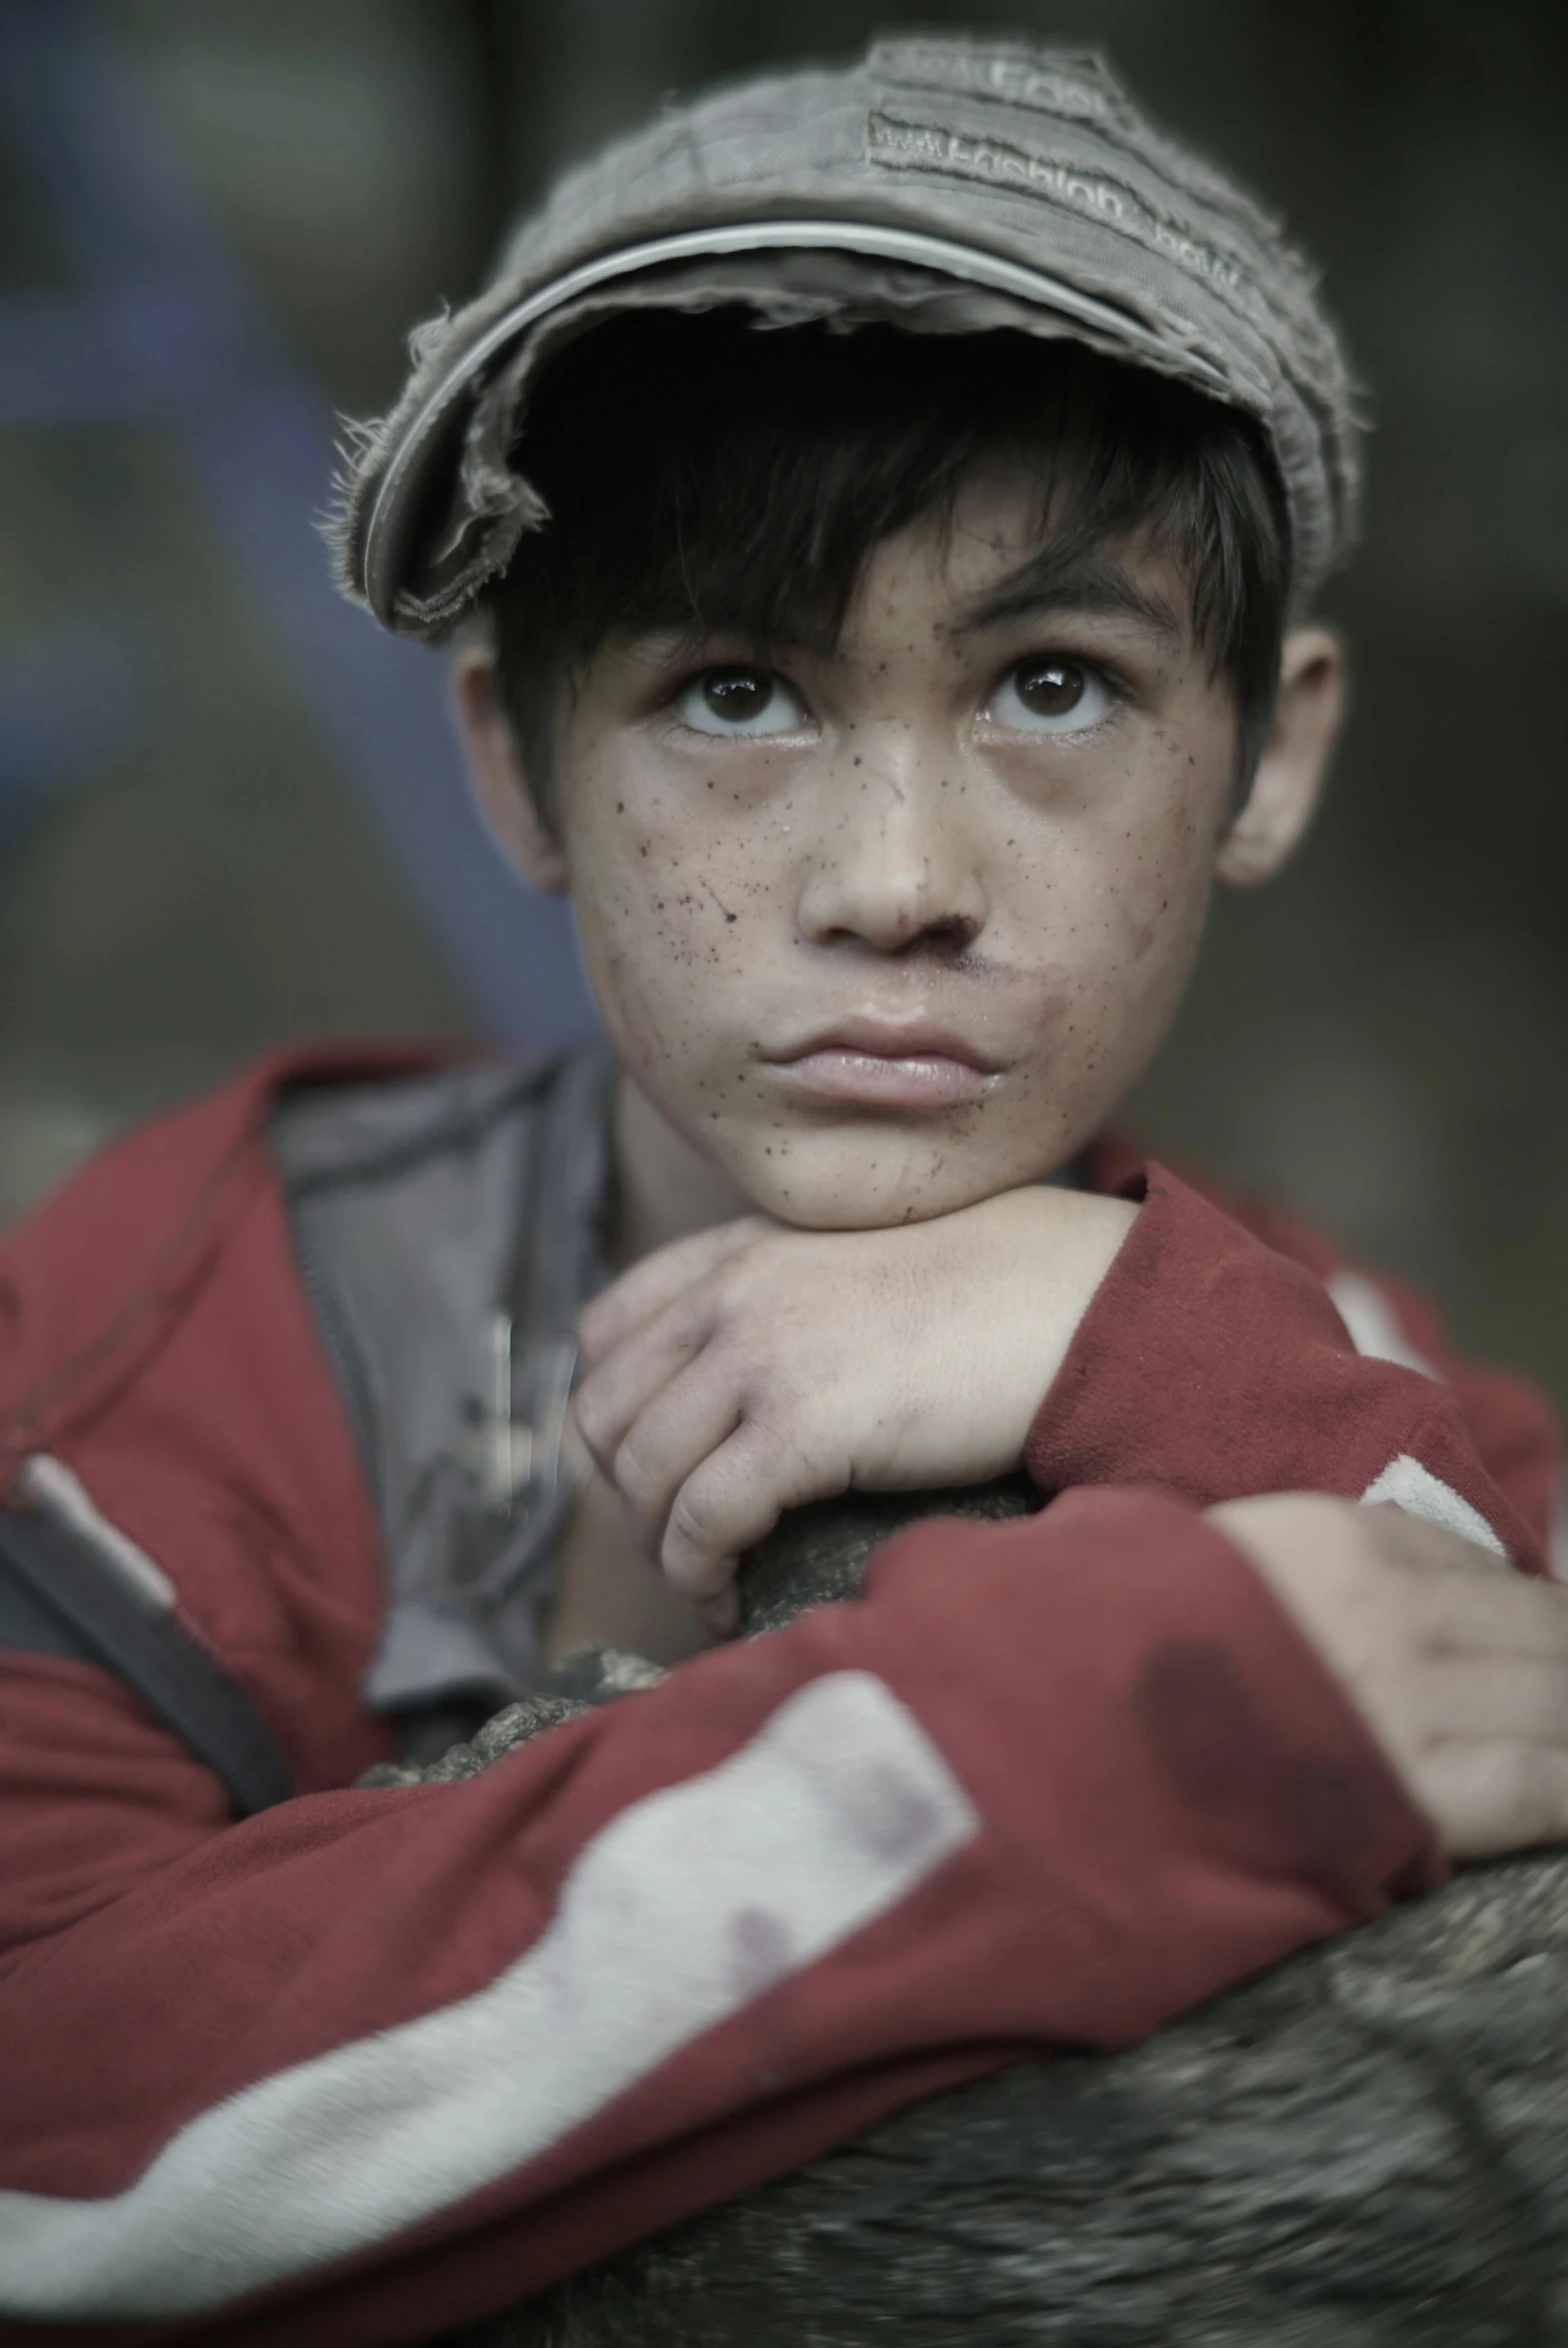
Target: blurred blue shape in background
165 326
65 694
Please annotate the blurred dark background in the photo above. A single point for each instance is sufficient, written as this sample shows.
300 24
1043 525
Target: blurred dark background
228 812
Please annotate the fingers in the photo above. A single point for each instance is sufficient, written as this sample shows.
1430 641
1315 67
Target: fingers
1484 1751
720 1613
734 1497
632 1374
1460 1672
1419 1543
688 1417
673 1430
632 1301
1487 1799
1475 1702
1352 1574
1472 1612
705 1468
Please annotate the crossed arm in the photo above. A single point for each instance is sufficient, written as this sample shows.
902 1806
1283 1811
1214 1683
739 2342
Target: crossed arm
749 1368
374 2061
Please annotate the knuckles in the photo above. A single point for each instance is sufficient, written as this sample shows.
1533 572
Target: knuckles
700 1543
635 1480
770 1265
774 1327
1504 1797
595 1424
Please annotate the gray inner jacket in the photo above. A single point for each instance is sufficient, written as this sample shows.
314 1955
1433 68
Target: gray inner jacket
449 1229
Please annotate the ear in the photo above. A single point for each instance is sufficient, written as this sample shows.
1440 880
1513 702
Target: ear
498 773
1292 771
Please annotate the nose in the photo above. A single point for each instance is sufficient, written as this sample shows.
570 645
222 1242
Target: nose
893 869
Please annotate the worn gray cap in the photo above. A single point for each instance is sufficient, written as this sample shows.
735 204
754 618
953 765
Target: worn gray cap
944 185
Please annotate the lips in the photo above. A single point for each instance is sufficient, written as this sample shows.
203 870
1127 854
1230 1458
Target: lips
915 1065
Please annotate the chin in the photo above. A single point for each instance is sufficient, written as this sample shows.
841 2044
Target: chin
838 1182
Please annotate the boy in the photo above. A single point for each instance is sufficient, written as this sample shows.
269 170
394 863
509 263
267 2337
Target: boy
888 687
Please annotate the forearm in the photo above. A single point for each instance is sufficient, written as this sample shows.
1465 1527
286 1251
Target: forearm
797 1881
1212 1366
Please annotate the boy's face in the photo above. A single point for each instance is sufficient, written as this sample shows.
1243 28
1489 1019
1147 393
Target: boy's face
892 929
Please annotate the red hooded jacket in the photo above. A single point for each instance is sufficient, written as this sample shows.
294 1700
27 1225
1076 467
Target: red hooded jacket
375 2061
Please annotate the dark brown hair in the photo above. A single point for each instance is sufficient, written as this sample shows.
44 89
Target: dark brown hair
705 474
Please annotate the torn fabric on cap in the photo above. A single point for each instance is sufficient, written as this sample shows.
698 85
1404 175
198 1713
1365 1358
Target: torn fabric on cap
944 185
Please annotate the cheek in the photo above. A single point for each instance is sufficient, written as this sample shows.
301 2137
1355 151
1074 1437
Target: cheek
1155 904
673 907
1123 912
1154 874
652 954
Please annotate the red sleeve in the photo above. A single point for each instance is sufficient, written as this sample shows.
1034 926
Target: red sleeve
1212 1365
1512 1425
375 2061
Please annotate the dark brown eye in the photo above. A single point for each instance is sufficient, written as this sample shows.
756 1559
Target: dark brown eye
1050 689
737 694
1047 694
738 701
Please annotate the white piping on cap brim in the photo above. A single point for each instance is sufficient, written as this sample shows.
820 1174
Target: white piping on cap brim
970 263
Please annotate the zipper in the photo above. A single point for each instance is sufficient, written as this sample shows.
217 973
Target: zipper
341 1357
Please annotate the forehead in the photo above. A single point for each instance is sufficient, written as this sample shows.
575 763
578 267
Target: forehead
999 555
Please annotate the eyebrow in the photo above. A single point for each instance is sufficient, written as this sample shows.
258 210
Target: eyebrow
1051 582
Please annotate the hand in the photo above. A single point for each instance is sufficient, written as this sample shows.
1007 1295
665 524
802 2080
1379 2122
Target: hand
751 1368
1458 1666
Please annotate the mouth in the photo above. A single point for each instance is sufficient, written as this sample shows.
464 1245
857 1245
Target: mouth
877 1063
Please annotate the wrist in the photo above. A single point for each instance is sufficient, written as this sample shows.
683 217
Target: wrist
1060 1248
